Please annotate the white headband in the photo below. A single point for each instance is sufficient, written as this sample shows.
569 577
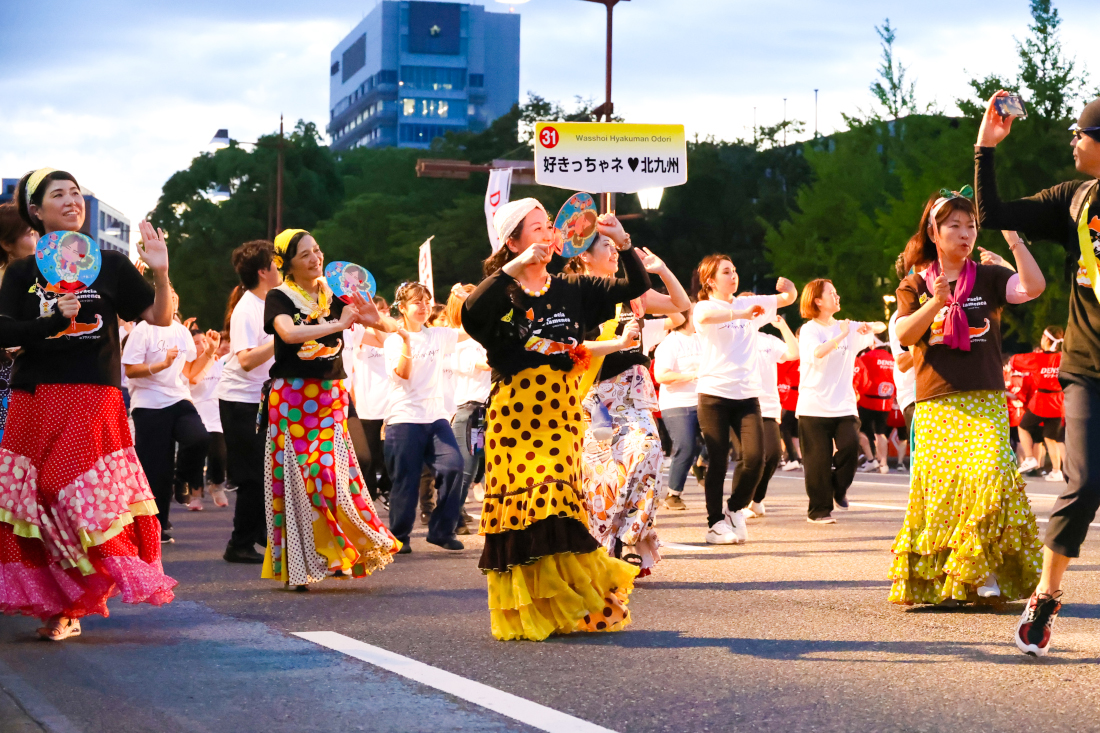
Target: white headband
509 216
1053 341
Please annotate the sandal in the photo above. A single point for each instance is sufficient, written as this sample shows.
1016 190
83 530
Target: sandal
59 628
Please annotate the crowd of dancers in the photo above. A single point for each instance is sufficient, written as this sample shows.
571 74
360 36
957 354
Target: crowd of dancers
552 392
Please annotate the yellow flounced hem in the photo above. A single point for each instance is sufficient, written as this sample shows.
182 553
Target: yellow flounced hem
561 594
88 538
968 515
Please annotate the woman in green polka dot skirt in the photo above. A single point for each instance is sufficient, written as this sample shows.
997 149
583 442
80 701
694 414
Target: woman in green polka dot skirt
969 533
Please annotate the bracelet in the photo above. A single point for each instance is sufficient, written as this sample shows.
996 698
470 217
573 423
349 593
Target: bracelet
626 244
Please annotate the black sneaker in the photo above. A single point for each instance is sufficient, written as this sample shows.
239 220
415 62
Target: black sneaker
406 549
841 501
243 555
1034 627
166 537
182 492
451 544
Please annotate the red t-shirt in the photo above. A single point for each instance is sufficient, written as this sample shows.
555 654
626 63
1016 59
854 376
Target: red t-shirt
1019 384
1042 366
896 418
787 381
878 390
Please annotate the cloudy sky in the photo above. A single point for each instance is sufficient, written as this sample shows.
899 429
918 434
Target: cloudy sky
124 93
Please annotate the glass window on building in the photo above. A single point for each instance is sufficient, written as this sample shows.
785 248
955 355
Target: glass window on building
477 80
355 57
423 133
425 107
434 78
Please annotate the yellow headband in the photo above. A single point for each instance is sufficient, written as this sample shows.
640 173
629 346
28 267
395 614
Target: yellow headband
282 244
35 181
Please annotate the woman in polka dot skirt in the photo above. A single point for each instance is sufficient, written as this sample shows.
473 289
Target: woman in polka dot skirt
622 476
77 518
969 532
320 517
546 574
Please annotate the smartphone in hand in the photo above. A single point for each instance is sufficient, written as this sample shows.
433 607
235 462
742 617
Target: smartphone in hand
1010 106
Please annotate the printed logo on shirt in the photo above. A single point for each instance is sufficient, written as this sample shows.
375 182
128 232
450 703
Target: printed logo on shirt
311 350
1094 234
936 337
76 329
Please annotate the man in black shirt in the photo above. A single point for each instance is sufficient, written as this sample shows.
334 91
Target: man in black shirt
1068 213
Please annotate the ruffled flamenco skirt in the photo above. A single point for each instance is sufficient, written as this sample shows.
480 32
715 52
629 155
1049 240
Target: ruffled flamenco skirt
78 522
546 574
968 515
320 517
622 477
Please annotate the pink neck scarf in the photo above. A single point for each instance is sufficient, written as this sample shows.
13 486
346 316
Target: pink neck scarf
956 329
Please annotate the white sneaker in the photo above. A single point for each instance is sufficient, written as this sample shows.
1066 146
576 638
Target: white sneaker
868 466
737 522
902 468
721 534
1028 464
883 468
989 588
1054 476
791 466
754 510
827 519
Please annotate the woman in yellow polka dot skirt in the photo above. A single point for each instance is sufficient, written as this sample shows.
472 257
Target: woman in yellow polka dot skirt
546 574
969 532
320 517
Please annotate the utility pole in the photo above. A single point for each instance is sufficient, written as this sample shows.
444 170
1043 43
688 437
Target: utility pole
784 122
279 182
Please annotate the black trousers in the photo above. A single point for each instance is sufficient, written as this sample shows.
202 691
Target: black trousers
191 461
244 461
773 447
788 429
156 433
717 417
828 475
372 456
1076 507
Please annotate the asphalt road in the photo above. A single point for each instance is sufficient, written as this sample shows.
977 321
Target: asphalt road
789 632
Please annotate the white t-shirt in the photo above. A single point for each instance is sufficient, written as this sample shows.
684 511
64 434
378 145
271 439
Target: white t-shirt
148 345
246 331
352 337
204 395
770 351
905 383
728 367
419 399
680 353
825 385
449 404
373 387
471 384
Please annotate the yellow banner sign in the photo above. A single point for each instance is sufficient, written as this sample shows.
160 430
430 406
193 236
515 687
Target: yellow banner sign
602 157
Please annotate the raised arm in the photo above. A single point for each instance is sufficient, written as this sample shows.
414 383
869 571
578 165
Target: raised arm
656 303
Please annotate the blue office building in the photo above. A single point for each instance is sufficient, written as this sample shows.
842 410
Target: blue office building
103 223
411 71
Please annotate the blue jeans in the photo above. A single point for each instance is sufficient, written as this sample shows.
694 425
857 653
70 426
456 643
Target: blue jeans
682 424
410 446
473 463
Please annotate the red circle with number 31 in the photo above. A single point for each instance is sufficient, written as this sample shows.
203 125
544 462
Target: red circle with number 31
548 138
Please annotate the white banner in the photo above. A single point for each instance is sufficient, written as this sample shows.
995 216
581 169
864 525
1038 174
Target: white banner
602 157
426 267
500 188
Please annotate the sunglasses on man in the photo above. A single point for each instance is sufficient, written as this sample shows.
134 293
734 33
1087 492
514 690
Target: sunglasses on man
1079 132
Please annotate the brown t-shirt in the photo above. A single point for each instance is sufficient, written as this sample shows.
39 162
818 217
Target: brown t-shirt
942 370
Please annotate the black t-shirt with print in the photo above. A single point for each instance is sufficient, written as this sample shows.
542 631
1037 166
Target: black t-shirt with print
315 359
618 362
502 318
88 351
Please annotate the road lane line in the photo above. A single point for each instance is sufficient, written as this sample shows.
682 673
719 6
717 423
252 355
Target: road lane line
504 703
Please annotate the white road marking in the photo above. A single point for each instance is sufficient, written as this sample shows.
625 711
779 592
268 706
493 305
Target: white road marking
504 703
1041 520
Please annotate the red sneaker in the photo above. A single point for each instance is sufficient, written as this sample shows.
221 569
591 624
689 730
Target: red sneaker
1034 627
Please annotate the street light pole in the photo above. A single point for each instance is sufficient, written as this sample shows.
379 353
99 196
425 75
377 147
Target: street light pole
606 109
279 183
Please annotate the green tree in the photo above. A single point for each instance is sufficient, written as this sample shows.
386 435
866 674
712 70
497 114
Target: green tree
896 96
203 231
